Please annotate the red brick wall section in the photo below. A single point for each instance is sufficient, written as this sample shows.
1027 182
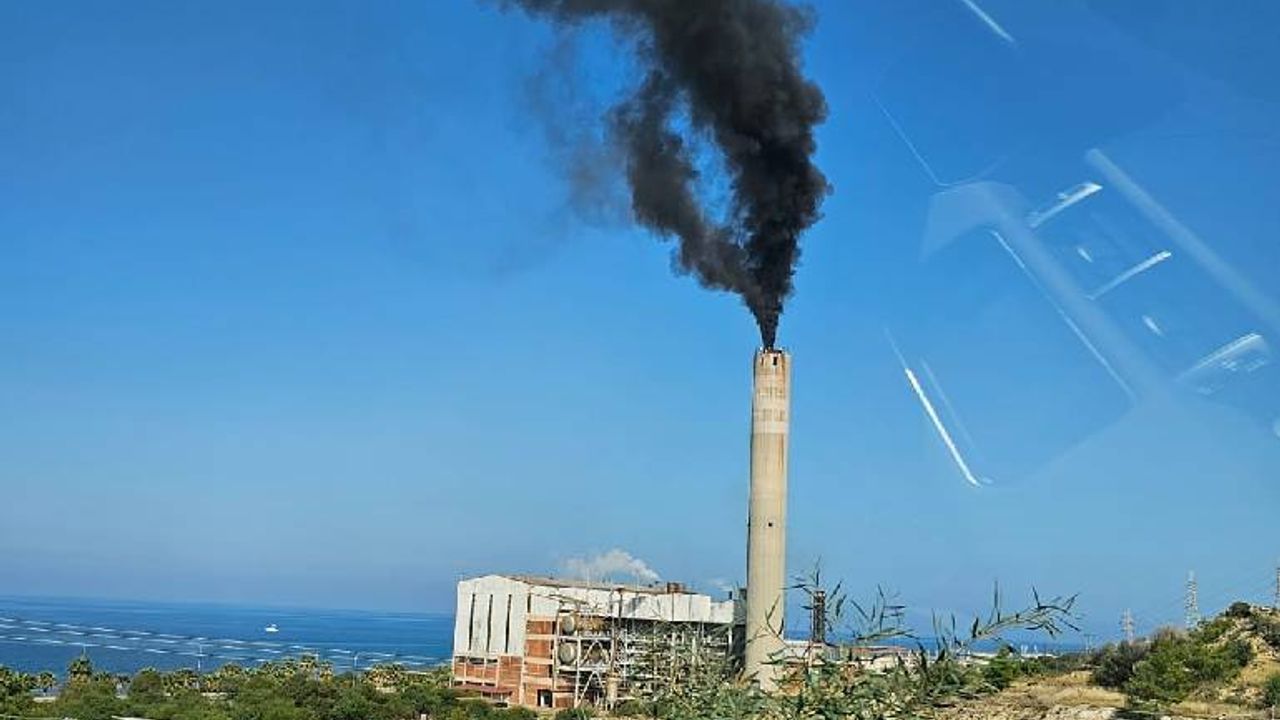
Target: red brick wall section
538 648
475 672
540 627
509 671
537 670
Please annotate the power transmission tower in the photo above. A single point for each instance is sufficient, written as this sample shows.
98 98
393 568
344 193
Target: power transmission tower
1275 602
1126 624
1192 602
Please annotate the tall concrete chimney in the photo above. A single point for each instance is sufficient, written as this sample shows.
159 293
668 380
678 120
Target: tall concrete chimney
767 514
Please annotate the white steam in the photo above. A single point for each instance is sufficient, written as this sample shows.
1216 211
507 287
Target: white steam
609 565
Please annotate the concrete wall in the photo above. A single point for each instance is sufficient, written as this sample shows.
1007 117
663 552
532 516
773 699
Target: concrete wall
767 513
491 615
489 631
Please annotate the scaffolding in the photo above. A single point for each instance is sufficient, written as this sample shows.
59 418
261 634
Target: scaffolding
606 656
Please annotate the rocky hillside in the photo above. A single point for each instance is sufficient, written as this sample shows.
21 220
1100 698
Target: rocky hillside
1228 667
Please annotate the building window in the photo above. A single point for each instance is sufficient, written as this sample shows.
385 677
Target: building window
506 636
544 698
471 624
488 627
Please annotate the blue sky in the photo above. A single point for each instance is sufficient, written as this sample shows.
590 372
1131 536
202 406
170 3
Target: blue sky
294 310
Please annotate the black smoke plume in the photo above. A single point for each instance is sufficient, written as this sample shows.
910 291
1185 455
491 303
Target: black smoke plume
732 68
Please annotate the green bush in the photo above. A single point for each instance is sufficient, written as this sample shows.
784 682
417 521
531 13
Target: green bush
574 714
518 712
1268 628
1212 630
1241 610
270 709
354 705
631 708
147 686
429 699
1058 664
470 709
1271 691
1113 664
1005 668
1237 654
1163 676
15 692
86 699
1179 664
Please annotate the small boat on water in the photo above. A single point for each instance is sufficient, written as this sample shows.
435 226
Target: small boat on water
271 628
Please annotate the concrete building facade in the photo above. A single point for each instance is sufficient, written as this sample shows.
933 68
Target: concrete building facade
548 643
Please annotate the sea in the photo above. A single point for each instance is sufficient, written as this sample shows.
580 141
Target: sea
38 634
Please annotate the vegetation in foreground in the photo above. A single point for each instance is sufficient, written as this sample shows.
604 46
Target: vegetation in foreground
1232 660
833 684
302 689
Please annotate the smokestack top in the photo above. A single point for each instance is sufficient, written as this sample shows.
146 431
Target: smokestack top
778 356
771 391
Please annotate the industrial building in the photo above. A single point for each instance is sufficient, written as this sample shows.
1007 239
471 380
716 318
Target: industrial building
541 642
550 643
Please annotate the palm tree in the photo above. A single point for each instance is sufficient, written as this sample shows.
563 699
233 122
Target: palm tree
226 678
389 676
308 664
183 679
15 683
46 681
276 669
80 670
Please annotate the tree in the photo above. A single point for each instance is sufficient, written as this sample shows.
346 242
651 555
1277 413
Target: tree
147 686
89 699
1003 669
226 679
355 704
181 679
1113 664
1271 691
1180 663
388 676
80 670
46 681
15 692
13 682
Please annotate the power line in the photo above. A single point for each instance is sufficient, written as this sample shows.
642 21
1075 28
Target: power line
1222 594
1192 601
